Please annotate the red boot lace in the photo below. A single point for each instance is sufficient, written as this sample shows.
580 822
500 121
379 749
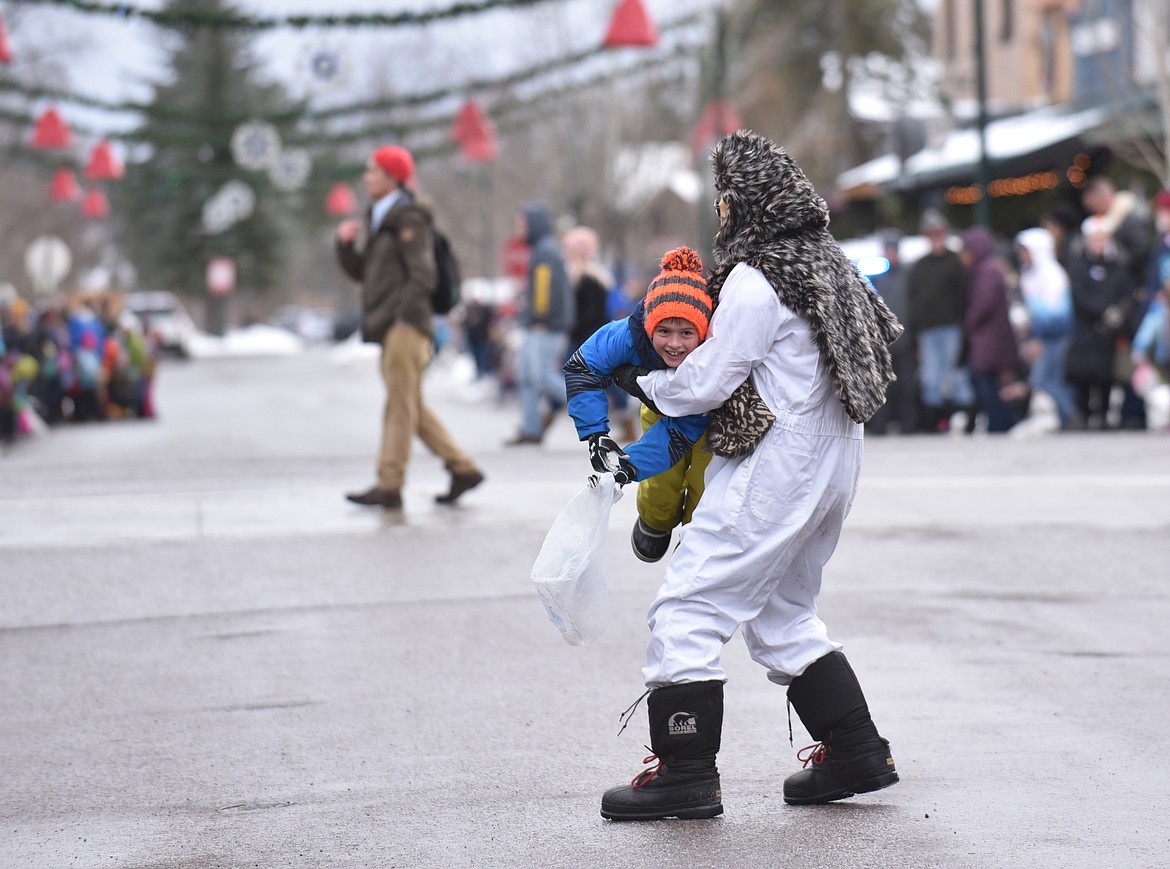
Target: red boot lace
644 777
814 754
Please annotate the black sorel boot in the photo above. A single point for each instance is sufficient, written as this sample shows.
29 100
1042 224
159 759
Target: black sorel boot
686 721
850 757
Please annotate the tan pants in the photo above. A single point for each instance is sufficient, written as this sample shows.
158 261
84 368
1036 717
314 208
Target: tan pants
406 352
669 499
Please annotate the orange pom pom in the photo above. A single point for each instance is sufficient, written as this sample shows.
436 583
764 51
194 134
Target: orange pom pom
682 259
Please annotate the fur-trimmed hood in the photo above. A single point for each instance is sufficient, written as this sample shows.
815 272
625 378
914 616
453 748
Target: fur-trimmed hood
778 224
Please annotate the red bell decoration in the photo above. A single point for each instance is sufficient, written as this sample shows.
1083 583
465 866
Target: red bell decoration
340 201
64 187
475 133
50 132
5 48
630 25
103 166
95 205
718 119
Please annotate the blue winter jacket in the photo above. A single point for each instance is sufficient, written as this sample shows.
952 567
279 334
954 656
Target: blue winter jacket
589 372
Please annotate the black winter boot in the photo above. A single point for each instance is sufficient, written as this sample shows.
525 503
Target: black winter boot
686 721
850 757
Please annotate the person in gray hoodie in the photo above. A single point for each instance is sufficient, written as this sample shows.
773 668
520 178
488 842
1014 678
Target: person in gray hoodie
546 316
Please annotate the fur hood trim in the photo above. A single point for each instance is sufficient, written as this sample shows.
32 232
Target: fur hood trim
778 224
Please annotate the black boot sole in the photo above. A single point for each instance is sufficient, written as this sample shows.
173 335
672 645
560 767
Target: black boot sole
685 801
864 786
659 814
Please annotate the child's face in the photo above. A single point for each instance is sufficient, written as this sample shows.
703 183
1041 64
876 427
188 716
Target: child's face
674 339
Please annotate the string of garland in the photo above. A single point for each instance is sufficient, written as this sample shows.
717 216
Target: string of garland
236 21
182 115
509 115
498 111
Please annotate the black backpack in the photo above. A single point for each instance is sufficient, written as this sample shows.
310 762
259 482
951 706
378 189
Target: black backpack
447 290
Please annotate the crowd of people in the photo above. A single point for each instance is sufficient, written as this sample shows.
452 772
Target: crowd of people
75 361
1073 309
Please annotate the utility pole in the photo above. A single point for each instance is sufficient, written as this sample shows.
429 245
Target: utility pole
983 176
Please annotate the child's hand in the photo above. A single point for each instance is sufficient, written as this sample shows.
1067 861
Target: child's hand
605 454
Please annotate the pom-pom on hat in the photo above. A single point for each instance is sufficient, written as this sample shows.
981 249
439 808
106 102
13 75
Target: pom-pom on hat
396 162
679 291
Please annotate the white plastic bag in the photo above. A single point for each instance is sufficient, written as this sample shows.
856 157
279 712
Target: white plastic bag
569 572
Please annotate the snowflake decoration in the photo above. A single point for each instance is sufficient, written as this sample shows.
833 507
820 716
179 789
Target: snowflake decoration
255 145
323 66
233 202
290 170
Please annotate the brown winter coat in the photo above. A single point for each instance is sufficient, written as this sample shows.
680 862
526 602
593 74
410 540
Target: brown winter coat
396 268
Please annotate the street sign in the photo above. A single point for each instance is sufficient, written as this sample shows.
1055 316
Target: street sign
221 276
514 257
47 262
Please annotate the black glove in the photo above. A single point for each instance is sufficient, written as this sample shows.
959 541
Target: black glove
626 377
607 457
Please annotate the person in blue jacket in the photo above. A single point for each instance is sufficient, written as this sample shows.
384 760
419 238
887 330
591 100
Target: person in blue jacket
660 333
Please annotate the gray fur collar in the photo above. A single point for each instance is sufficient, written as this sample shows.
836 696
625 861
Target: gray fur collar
778 224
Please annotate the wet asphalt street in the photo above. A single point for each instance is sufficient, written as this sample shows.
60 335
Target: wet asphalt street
208 658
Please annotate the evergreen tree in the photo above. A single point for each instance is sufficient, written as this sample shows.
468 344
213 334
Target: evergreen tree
186 158
792 66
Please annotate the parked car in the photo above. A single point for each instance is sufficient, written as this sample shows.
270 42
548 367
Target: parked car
163 316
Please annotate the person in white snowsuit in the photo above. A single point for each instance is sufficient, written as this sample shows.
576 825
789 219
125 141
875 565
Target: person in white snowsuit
795 361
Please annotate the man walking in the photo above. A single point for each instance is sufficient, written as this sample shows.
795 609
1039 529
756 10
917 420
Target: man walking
391 254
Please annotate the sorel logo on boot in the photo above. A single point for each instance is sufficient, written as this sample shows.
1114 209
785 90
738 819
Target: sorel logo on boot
682 724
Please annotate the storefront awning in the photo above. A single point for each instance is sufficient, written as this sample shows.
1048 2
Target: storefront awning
956 158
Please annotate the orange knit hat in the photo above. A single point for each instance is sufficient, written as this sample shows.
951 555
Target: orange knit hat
679 291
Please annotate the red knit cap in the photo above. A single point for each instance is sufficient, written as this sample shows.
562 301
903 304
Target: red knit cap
396 162
1162 200
679 291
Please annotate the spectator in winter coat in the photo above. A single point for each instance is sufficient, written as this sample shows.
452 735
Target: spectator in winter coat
546 317
1128 222
392 254
937 289
1101 297
1158 273
992 355
1151 344
1044 287
592 283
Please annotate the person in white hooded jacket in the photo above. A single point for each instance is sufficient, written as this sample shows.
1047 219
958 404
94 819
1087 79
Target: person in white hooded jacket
1044 287
796 360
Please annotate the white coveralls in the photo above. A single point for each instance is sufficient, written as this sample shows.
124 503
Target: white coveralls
767 522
